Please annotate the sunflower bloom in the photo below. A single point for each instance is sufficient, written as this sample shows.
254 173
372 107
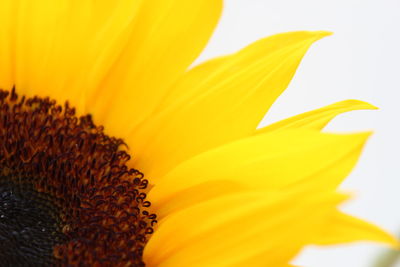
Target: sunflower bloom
113 152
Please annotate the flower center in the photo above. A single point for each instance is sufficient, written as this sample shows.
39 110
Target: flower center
67 196
29 225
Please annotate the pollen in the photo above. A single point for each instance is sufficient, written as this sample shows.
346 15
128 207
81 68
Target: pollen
67 194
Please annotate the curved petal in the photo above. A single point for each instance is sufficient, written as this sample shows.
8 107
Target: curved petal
252 229
318 118
227 97
298 159
343 228
165 39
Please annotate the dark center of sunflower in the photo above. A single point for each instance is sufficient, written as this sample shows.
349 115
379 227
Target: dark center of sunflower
29 225
67 196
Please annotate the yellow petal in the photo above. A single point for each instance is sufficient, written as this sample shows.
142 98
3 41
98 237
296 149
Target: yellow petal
7 21
227 98
319 118
55 48
188 86
166 38
128 52
254 228
343 228
299 159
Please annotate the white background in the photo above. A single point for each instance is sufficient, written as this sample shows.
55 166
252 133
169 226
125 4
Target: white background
361 61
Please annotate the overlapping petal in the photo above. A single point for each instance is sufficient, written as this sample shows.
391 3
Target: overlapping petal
219 102
113 59
248 229
159 50
43 42
298 159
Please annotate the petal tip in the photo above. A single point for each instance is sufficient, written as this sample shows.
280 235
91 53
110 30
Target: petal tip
364 136
389 240
322 34
361 104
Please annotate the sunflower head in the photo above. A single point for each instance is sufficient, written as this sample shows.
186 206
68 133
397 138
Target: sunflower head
67 194
74 74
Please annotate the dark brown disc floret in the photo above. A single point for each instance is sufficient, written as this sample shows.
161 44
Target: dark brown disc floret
67 195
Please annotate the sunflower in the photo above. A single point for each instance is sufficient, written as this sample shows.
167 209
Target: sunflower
114 152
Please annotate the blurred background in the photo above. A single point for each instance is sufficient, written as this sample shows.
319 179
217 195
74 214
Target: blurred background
360 61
